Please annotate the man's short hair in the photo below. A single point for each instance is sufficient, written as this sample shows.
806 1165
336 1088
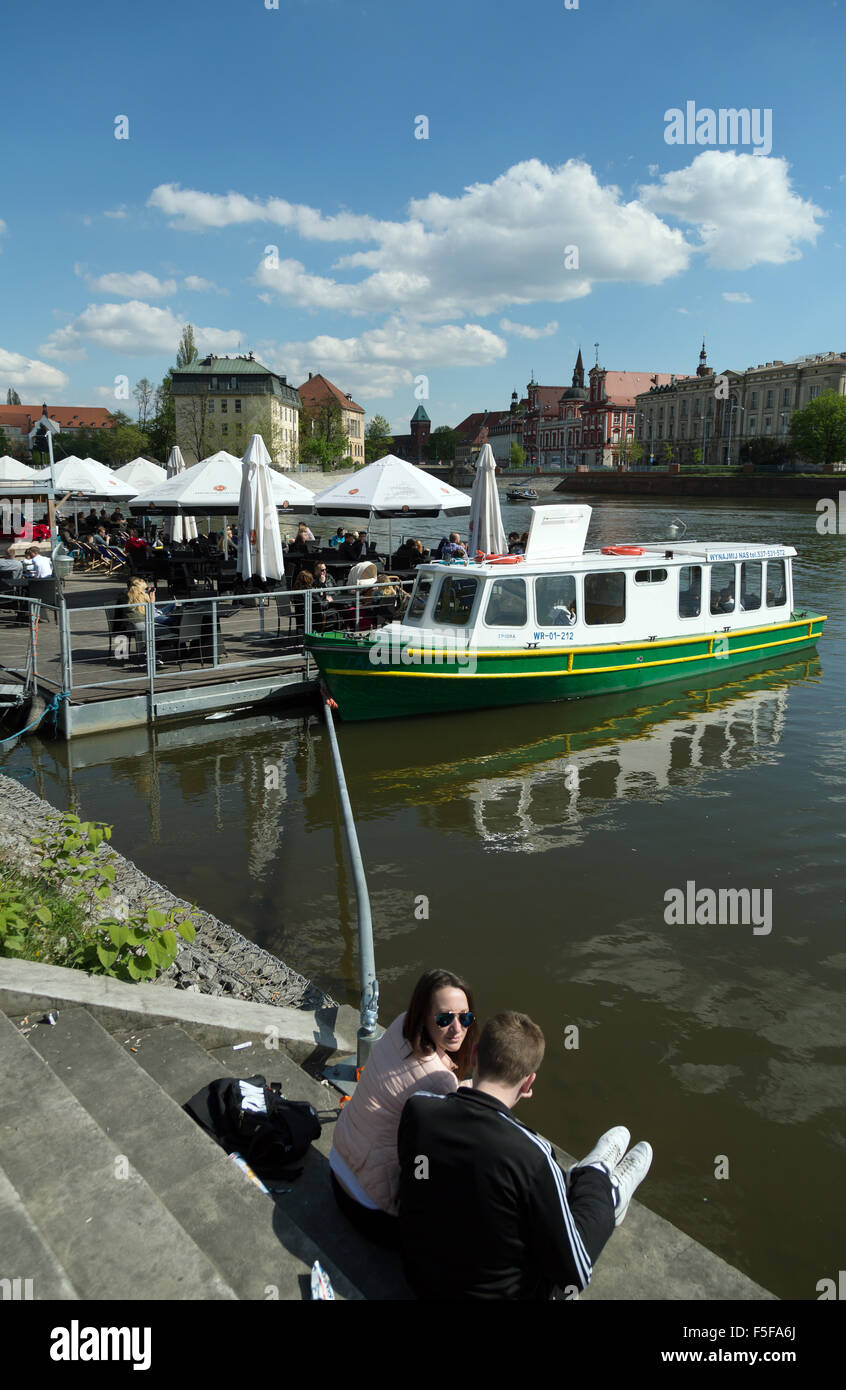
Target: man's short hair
511 1047
33 550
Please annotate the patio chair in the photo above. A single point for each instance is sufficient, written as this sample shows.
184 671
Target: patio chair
45 591
193 629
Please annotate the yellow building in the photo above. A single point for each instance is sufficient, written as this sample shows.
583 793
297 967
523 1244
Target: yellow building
219 402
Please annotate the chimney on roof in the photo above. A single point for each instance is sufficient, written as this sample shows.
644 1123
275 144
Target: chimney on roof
349 397
309 376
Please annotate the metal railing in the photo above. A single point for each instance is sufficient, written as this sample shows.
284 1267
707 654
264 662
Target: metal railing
79 647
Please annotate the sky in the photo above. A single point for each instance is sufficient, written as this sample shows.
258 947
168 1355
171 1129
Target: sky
427 202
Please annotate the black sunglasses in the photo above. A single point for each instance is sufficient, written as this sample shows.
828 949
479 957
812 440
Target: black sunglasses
444 1020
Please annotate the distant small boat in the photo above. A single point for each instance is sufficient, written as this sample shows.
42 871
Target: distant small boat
521 494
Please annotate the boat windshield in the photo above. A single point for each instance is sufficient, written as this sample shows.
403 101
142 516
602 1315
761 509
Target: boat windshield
455 601
419 598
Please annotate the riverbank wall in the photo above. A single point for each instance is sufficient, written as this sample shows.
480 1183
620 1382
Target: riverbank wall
219 962
756 486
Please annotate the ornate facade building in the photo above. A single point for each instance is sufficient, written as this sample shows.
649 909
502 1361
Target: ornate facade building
707 418
219 402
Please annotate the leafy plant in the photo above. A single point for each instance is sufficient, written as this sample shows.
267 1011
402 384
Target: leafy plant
70 852
138 948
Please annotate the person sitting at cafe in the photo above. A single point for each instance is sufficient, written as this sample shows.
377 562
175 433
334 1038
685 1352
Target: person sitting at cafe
353 548
338 538
226 542
91 521
135 544
454 549
116 517
304 533
11 569
322 577
37 565
140 592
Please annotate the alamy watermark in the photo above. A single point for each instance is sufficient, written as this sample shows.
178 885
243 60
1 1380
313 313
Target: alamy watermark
709 907
832 515
728 125
17 516
430 649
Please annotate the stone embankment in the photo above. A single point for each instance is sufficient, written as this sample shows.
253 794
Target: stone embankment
219 961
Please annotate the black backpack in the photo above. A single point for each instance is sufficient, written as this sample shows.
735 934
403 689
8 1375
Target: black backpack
254 1119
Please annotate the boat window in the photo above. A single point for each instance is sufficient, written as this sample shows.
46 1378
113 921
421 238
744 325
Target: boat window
722 588
776 584
507 604
750 585
555 600
690 591
422 590
455 601
605 597
650 576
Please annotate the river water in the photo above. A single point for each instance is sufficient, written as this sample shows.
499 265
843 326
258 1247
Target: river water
531 850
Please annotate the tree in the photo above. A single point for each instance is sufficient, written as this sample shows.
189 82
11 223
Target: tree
161 429
12 397
4 443
818 433
323 440
378 439
187 352
123 440
517 455
195 427
766 452
143 393
441 444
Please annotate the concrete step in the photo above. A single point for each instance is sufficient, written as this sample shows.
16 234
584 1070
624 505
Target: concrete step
249 1239
181 1067
28 1269
110 1234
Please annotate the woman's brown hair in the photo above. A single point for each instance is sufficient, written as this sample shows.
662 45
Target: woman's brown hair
414 1028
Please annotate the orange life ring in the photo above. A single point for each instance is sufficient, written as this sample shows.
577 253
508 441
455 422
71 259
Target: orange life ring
503 559
623 550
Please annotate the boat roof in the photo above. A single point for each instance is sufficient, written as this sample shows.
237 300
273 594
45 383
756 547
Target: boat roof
649 556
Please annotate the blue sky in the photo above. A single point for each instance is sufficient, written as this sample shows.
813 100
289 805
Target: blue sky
394 257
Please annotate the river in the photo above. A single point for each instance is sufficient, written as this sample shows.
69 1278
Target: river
531 850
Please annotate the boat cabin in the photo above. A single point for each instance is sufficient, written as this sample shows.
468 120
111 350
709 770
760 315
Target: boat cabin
559 594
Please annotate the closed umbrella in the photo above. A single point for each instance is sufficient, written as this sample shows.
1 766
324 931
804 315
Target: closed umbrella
183 528
487 532
259 542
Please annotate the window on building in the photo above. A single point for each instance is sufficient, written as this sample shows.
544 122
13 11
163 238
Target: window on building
211 407
605 598
213 384
768 425
785 399
753 400
690 591
750 585
769 400
683 408
224 429
237 407
224 405
506 605
233 383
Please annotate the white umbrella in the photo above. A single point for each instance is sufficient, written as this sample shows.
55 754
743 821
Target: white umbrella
487 532
391 487
213 487
91 480
259 542
184 528
141 473
13 471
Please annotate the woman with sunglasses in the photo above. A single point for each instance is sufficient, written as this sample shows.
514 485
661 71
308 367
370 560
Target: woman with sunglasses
426 1049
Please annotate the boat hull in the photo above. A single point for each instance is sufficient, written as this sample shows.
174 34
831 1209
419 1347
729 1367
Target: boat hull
372 678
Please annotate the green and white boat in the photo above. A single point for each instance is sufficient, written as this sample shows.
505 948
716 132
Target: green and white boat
562 623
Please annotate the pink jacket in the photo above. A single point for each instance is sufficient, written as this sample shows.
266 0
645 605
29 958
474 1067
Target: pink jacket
366 1132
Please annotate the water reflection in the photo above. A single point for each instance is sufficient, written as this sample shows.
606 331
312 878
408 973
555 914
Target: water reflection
539 796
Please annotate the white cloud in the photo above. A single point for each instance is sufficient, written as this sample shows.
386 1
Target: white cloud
198 284
525 330
134 284
682 311
3 230
735 298
133 329
502 243
383 359
29 376
652 170
119 213
742 205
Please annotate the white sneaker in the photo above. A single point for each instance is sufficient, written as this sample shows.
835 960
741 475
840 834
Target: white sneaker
608 1149
628 1174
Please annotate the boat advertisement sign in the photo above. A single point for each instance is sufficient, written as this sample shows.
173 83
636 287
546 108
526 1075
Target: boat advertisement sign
755 552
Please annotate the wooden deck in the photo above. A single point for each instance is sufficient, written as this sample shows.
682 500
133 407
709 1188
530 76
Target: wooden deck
105 692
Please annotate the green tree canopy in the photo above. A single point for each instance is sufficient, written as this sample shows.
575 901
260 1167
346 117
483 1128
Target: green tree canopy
324 442
187 352
378 439
517 455
818 433
441 444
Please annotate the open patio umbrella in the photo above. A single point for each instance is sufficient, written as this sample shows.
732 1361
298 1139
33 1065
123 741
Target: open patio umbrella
184 528
259 542
487 532
13 471
141 473
92 480
213 487
390 487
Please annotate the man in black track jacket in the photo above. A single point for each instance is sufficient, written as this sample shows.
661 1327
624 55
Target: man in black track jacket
484 1208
